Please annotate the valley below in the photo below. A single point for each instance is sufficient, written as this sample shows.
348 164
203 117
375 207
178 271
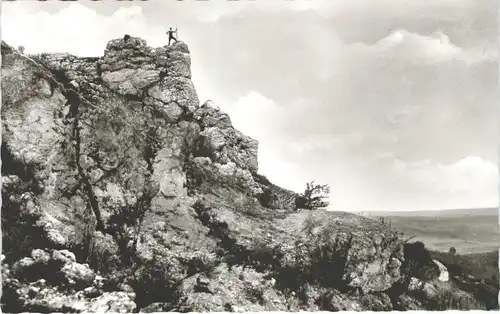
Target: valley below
467 230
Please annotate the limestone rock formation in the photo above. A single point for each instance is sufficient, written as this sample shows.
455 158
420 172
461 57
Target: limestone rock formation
57 283
118 181
444 276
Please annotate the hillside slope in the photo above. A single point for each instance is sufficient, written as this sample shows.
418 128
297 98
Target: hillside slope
122 193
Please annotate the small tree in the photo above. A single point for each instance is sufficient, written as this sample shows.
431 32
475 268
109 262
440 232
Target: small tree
452 251
315 196
20 49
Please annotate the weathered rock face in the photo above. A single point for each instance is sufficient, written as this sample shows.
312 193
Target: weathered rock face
55 282
105 143
231 289
113 172
360 252
222 143
333 249
274 196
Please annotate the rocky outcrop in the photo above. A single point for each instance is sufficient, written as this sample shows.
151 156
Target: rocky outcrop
333 242
274 196
97 164
325 247
232 289
54 282
138 198
222 143
444 276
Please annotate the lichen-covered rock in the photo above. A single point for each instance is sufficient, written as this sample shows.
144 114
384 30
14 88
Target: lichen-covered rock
229 289
113 302
274 196
55 282
362 253
427 288
408 303
40 256
336 301
222 143
64 257
228 174
368 260
50 299
43 265
130 81
109 156
78 274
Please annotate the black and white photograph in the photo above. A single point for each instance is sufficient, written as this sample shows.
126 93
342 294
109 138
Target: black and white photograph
249 156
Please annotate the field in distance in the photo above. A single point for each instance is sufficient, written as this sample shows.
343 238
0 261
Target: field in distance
468 230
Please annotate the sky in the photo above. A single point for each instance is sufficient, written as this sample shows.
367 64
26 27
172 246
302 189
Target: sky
393 103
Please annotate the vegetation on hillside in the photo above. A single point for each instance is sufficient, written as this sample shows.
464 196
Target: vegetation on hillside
481 266
315 196
474 278
462 292
476 273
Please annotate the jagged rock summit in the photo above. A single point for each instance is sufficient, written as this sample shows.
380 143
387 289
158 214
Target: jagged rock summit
122 193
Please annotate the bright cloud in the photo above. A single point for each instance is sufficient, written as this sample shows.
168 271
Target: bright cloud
75 29
460 183
256 116
253 114
411 47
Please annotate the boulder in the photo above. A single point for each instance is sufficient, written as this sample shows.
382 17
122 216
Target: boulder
444 276
231 289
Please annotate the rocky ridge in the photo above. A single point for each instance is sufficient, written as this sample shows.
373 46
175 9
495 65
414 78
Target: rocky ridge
139 198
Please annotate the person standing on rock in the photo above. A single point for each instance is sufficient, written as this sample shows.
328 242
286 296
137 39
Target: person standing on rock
170 33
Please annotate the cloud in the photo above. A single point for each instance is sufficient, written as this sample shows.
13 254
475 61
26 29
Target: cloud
459 184
256 115
82 30
76 28
415 48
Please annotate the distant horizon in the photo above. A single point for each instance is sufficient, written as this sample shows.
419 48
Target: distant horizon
420 211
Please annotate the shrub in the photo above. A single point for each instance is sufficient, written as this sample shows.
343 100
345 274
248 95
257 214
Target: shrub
314 197
452 251
418 262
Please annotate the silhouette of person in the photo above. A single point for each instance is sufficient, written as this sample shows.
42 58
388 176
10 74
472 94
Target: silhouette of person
170 33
